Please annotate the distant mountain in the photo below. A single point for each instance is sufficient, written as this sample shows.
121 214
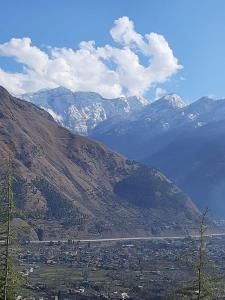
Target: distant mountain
186 142
147 131
167 134
140 134
72 186
195 160
81 112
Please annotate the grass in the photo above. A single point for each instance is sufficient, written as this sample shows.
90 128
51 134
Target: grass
58 275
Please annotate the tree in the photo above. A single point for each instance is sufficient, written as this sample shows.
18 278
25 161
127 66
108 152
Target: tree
8 276
205 283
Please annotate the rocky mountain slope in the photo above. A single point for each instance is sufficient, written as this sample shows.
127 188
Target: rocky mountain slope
72 186
81 112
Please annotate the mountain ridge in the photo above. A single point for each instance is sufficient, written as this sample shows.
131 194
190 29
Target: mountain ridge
81 112
73 186
159 132
180 142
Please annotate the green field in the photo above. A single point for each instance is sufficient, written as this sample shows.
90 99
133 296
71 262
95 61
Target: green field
58 275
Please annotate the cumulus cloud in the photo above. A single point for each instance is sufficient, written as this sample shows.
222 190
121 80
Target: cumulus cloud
159 92
110 71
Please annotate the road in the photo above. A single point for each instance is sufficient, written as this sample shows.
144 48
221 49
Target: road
128 239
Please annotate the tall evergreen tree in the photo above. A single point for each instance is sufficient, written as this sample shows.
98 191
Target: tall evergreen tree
205 282
8 276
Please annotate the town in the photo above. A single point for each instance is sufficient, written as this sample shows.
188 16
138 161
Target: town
109 270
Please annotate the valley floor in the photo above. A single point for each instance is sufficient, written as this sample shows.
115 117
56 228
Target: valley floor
112 269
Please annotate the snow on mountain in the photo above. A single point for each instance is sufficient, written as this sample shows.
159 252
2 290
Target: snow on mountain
171 111
163 108
172 100
207 110
154 126
88 113
81 112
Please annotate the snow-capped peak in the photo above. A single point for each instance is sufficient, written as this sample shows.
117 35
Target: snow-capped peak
83 111
174 100
138 99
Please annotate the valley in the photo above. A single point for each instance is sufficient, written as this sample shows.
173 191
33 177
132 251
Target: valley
72 186
112 150
101 226
150 269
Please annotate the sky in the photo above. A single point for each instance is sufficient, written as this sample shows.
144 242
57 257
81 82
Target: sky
114 47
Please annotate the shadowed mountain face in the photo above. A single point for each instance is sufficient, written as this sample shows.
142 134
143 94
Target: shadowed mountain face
195 160
73 186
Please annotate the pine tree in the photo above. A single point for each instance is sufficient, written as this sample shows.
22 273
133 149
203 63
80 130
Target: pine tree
205 283
8 276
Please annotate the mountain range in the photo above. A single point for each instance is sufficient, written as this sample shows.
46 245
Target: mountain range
183 141
81 112
71 186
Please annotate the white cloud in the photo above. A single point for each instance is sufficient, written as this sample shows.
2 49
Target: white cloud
55 116
110 71
159 92
123 33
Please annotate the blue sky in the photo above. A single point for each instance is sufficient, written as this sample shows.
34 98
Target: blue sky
194 30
